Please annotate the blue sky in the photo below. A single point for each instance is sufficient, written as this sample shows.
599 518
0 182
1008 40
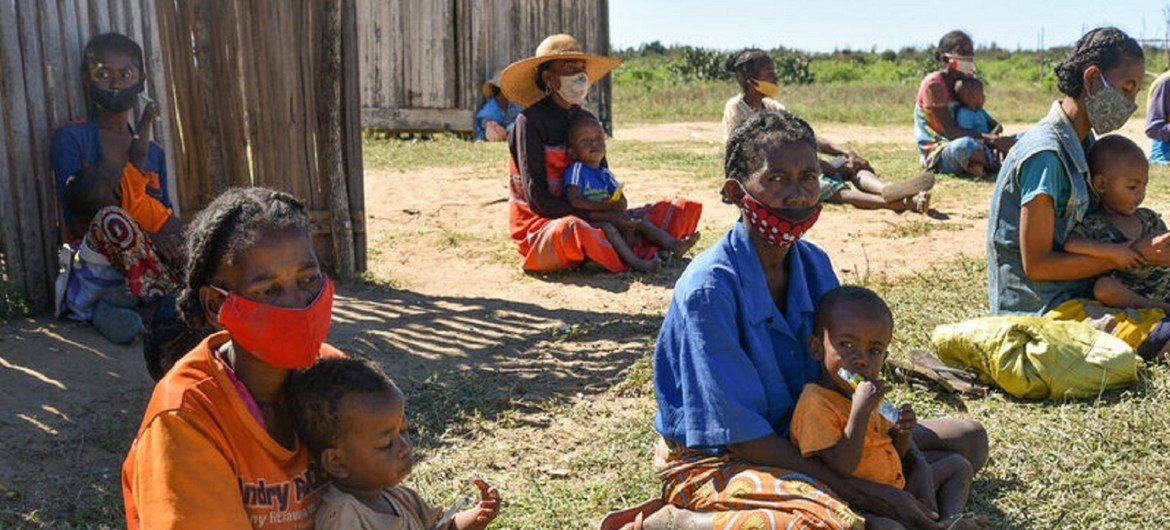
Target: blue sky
822 25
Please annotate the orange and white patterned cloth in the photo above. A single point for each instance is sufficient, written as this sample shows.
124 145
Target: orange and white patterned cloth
748 496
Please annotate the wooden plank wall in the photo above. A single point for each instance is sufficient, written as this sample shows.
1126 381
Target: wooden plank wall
251 92
41 45
240 108
422 66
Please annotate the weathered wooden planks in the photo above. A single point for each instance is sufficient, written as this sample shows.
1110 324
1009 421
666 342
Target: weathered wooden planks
428 55
237 81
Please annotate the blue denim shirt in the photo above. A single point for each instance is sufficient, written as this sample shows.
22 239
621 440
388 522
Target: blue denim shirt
1009 289
729 365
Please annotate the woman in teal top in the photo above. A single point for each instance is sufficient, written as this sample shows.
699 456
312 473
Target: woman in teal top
1042 191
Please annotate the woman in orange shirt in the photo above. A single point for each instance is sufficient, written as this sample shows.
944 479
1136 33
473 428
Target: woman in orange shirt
217 448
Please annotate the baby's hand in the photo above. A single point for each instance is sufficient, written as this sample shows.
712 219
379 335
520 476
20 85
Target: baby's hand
868 395
1124 257
477 518
907 420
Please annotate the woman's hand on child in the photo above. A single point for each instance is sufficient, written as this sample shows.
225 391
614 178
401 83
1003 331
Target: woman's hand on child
477 518
1124 257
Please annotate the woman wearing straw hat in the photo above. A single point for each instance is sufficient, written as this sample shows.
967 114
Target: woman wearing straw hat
496 116
550 234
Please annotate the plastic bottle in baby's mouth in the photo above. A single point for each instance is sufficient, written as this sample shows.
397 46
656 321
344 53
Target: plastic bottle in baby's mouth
886 409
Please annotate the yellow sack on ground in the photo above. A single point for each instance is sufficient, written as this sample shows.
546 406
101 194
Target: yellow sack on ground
1129 325
1035 357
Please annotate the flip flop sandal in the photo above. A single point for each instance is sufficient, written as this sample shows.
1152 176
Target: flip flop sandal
616 520
909 187
924 365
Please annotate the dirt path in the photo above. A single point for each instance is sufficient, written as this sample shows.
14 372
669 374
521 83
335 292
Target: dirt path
454 306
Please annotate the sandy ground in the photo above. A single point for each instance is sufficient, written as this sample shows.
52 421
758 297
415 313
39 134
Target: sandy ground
453 301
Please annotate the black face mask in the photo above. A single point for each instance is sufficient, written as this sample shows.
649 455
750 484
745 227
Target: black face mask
119 100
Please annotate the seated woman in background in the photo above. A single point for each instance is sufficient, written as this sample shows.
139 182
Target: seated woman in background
943 145
140 238
756 73
1157 123
495 118
549 232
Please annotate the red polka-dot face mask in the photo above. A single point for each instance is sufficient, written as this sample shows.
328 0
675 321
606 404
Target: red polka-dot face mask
781 228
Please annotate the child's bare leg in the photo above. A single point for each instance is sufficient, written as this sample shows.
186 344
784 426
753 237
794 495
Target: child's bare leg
869 201
953 476
622 247
663 240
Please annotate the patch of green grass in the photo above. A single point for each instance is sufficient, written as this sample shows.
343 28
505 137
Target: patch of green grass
919 228
439 150
698 159
868 103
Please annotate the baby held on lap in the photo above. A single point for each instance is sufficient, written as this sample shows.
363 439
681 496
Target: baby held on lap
1120 231
591 188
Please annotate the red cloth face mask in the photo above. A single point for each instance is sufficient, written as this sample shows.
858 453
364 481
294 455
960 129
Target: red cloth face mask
282 337
776 226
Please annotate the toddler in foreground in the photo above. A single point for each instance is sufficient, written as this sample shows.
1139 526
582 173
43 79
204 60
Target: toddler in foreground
970 114
352 417
843 427
593 189
1120 172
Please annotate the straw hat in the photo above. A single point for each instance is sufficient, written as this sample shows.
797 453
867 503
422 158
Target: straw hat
519 79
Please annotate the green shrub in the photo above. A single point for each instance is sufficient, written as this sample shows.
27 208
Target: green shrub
793 69
700 64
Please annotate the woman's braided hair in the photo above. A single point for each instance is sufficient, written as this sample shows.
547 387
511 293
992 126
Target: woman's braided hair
744 64
949 42
1102 47
746 145
231 223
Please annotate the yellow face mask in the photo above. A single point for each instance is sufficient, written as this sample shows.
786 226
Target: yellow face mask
769 90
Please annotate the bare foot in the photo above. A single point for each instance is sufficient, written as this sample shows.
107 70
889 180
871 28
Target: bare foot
683 244
647 265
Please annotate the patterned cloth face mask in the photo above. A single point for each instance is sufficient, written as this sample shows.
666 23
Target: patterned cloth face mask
780 227
1108 109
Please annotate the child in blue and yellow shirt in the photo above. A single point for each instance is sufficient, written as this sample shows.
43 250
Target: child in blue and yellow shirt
593 189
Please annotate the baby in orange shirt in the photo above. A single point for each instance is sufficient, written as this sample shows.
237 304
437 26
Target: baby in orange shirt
352 417
843 427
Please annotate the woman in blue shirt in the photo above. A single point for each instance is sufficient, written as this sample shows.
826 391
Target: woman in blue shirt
732 358
1042 193
494 119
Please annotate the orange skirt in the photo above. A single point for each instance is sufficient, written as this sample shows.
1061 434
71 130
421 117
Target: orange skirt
566 242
